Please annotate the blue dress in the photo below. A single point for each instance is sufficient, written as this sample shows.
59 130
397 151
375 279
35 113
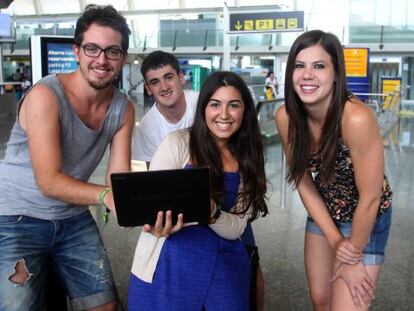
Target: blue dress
197 269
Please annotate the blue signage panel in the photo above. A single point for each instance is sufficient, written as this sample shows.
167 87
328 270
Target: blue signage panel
60 57
357 71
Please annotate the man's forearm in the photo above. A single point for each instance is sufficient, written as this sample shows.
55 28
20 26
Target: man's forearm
68 189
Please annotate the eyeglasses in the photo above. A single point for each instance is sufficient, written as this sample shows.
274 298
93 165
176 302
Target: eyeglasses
92 50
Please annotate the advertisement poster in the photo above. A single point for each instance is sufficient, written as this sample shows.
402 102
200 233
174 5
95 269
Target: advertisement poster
357 71
60 58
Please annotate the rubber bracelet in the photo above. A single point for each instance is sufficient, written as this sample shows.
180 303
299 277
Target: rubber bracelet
102 196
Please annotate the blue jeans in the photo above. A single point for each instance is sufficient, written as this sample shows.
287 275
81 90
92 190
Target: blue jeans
77 254
374 251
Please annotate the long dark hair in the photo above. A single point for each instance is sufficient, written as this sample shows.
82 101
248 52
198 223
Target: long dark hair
245 145
298 133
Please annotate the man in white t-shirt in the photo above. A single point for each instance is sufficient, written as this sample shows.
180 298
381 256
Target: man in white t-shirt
173 109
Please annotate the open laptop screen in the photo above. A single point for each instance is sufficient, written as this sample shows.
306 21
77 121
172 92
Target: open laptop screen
139 196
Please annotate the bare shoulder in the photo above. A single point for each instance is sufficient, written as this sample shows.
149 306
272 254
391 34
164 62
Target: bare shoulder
40 91
281 116
40 99
358 119
357 114
282 120
40 102
130 111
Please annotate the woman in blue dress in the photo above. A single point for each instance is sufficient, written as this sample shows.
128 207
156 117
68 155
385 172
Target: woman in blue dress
194 267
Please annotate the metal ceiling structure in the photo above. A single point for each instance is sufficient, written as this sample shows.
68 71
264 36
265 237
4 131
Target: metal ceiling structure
47 7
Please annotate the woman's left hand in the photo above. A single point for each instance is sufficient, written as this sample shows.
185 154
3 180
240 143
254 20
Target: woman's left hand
164 228
348 253
360 285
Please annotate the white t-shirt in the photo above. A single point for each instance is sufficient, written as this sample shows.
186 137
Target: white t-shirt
272 83
154 127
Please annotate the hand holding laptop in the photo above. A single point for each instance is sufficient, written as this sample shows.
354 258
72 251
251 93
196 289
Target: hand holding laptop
108 201
164 228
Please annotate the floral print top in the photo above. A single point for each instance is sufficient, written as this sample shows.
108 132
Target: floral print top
341 194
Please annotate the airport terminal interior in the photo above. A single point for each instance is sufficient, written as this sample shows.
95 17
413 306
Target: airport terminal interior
201 34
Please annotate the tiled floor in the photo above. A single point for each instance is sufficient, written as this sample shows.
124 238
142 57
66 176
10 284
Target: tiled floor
280 234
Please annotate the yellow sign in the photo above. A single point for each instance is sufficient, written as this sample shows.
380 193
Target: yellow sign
238 26
280 23
292 23
356 62
265 21
264 24
249 25
390 85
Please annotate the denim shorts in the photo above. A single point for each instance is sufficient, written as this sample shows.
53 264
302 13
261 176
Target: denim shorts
375 249
76 251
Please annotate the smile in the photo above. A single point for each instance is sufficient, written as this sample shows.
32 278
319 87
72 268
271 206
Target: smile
101 71
223 125
166 94
309 87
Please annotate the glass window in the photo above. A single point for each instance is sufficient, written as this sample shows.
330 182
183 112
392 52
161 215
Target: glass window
156 4
121 5
21 7
206 4
58 6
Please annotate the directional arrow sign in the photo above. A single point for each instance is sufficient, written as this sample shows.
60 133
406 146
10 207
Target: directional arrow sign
266 21
238 26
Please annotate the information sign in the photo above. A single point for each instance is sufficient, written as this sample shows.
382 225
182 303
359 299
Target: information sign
356 62
266 21
357 71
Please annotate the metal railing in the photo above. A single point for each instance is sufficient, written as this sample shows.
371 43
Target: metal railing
266 115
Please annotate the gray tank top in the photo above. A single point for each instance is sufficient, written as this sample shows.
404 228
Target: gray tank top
82 150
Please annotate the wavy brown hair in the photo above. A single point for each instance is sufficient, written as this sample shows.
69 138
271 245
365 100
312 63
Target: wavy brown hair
246 146
103 15
298 132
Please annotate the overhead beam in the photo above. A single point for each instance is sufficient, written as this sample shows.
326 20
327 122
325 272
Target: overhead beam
37 7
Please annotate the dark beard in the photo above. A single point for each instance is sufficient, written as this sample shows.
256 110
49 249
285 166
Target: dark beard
100 85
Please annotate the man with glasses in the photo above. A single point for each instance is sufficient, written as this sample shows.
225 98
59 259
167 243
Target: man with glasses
64 125
92 50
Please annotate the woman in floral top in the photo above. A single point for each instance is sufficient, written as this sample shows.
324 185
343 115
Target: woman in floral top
336 162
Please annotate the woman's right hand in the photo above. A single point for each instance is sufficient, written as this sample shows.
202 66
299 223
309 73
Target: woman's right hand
359 283
348 253
164 229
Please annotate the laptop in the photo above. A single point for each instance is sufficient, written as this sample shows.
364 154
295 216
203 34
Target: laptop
139 196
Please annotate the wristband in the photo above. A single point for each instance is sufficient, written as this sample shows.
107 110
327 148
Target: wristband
102 196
